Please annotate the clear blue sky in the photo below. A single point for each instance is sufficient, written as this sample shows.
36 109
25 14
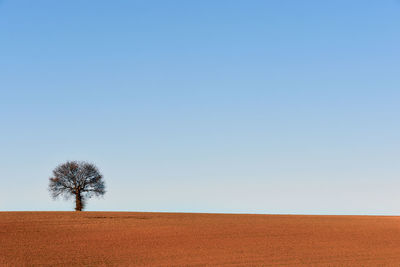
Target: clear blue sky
204 106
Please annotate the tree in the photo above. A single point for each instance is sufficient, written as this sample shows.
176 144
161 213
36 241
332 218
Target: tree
77 178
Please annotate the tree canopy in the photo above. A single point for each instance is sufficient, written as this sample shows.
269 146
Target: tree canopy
77 178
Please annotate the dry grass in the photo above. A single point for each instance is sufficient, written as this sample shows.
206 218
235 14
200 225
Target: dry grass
167 239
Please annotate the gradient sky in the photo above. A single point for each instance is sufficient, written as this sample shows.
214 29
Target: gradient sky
204 106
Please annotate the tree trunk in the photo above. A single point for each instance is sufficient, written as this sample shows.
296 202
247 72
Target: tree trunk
78 202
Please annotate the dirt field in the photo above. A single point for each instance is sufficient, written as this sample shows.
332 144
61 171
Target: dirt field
167 239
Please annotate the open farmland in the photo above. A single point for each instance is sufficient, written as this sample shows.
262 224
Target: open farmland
176 239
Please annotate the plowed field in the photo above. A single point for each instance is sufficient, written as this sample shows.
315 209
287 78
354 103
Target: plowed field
183 239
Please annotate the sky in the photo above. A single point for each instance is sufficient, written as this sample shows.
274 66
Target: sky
279 106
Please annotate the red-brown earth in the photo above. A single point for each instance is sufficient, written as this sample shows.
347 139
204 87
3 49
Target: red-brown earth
184 239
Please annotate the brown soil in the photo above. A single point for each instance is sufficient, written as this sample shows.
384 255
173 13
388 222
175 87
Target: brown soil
183 239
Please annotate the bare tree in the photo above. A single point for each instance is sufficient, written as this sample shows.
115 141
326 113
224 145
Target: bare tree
77 178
